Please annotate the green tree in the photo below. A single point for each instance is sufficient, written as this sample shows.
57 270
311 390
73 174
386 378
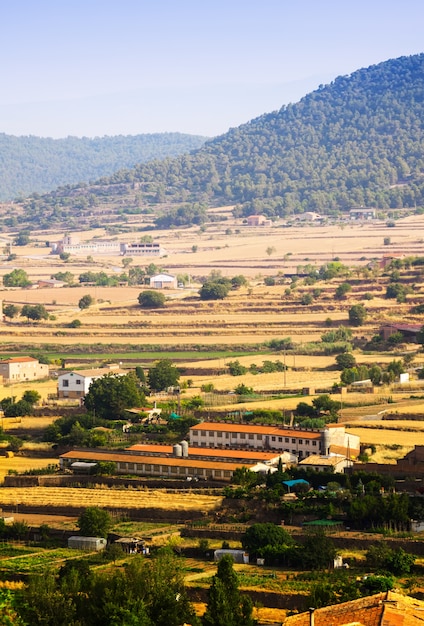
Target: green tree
357 314
86 301
94 522
239 281
261 535
109 396
226 606
11 310
317 551
151 299
375 373
236 368
16 278
22 239
345 359
163 374
214 290
342 290
31 396
34 312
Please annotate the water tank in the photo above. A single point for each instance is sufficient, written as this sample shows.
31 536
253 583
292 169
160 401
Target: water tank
177 450
326 440
184 447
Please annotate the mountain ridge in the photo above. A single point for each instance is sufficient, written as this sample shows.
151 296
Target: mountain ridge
31 164
357 141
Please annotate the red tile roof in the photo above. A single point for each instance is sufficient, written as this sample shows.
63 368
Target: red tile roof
254 455
20 359
382 609
89 455
255 429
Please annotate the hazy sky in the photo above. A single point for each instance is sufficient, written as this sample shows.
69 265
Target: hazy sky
109 67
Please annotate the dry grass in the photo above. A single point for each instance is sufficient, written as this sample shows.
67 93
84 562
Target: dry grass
22 464
378 436
108 498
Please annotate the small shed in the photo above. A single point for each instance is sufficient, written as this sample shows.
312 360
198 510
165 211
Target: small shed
163 281
91 544
239 556
132 545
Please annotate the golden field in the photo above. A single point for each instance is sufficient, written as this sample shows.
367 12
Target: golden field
108 498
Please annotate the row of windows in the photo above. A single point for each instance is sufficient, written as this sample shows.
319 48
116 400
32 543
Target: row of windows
174 469
65 383
251 436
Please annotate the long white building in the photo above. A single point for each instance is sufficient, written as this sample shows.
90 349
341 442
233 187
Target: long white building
333 439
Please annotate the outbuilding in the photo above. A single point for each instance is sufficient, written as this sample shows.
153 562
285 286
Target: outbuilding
164 281
238 556
91 544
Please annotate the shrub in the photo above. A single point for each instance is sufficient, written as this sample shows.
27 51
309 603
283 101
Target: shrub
151 299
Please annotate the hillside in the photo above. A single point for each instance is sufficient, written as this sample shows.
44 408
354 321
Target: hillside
36 164
356 141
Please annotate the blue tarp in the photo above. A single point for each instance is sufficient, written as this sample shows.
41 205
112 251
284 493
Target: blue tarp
292 483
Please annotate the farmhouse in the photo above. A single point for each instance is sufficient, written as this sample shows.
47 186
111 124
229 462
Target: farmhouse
362 213
408 331
76 384
258 220
51 283
163 281
300 442
142 249
22 368
72 245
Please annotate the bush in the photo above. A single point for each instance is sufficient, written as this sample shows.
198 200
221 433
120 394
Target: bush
357 314
151 299
85 302
74 324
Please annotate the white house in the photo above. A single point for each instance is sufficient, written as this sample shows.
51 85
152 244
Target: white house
163 281
22 368
76 384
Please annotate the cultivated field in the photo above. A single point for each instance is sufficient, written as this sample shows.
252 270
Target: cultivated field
246 320
108 498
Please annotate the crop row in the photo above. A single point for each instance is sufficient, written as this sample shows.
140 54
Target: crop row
80 497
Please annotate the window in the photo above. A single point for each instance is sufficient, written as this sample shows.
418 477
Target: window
227 435
286 439
65 383
242 435
259 437
272 438
219 434
203 433
280 440
314 443
293 440
251 436
300 442
306 442
77 382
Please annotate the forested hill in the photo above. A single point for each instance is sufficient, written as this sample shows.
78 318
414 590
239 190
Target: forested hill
357 141
34 164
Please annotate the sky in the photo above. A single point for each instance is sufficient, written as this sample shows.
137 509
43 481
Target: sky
124 67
